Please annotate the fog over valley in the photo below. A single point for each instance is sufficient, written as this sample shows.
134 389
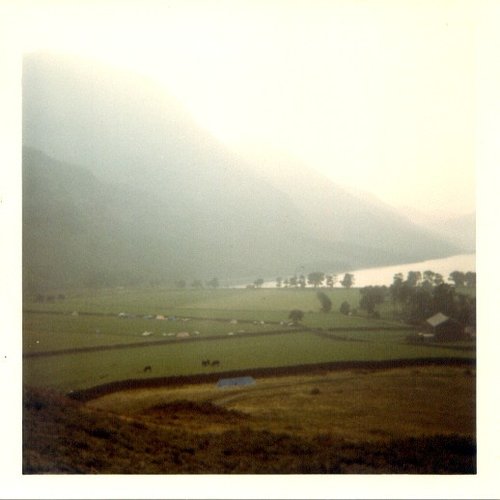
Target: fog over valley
121 186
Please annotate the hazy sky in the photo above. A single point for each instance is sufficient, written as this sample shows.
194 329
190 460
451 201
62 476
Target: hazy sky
379 95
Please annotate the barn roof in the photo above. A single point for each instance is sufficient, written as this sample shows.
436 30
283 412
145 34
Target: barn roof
237 381
437 319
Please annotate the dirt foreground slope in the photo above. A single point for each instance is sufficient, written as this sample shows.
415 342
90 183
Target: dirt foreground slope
387 421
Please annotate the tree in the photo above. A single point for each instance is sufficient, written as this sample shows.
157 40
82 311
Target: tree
315 278
331 279
326 303
457 277
414 278
372 296
396 290
197 284
419 305
279 282
302 281
438 279
296 315
213 283
293 281
470 279
258 282
345 308
466 310
428 279
443 300
348 280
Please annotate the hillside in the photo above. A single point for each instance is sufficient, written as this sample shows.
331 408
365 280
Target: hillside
151 433
121 186
459 230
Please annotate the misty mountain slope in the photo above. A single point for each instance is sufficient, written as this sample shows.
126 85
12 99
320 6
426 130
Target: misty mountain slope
120 185
458 230
79 230
337 214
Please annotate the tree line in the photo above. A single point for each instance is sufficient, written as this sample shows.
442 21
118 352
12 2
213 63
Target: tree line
213 283
414 299
315 279
421 295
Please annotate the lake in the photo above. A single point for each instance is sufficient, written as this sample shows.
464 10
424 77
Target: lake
385 275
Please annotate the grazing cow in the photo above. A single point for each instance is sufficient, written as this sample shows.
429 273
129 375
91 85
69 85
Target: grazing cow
205 362
216 362
147 368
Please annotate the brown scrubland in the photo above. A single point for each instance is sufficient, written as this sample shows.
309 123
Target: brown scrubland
401 420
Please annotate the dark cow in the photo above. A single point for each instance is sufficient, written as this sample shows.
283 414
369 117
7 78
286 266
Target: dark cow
216 362
147 369
205 362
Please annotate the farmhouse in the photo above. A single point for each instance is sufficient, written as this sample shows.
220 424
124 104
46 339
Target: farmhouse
235 382
444 328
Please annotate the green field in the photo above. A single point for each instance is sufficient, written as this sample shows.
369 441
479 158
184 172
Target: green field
206 303
48 332
53 327
76 371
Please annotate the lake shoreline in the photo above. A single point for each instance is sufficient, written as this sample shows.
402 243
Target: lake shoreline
384 275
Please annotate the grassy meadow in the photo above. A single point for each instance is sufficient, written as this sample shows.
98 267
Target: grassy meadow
409 419
204 302
220 324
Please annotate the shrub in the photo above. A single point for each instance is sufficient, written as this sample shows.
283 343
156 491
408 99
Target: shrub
326 303
345 308
296 315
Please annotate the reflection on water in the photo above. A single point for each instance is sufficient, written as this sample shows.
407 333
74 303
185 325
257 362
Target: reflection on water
385 275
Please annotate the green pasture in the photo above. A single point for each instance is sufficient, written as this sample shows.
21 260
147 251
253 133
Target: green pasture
77 371
335 319
54 327
181 301
47 332
268 305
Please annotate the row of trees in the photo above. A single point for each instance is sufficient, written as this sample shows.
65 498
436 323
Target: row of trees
422 295
430 278
326 304
213 283
297 315
416 298
315 279
463 279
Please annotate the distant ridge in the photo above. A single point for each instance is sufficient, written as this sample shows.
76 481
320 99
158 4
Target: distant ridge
120 186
